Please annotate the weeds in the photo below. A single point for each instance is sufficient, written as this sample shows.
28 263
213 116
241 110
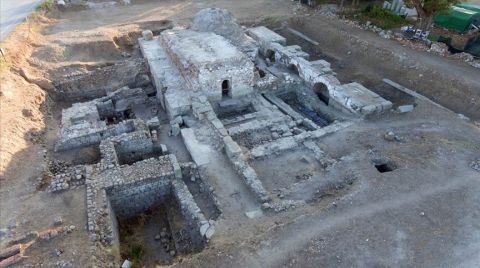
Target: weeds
383 18
136 253
272 20
46 6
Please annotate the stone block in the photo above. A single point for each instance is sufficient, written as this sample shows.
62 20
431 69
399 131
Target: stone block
177 103
175 129
405 108
147 35
254 214
359 100
200 152
264 36
232 149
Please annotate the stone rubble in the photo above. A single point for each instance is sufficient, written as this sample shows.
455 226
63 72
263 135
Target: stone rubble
475 164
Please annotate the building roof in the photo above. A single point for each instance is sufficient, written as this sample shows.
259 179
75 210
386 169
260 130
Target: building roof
201 48
469 6
457 18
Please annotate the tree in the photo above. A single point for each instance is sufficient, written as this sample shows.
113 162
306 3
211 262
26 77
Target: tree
426 9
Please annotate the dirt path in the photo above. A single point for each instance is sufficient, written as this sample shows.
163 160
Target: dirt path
300 233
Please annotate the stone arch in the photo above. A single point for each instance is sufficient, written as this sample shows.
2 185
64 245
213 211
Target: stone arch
270 54
292 67
226 87
322 92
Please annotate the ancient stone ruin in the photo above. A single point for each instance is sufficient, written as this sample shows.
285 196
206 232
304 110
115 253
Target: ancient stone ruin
217 87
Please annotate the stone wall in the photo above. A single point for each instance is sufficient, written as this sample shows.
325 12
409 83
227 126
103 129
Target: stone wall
85 124
130 200
213 60
192 216
96 82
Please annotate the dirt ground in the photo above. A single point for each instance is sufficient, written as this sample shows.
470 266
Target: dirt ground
423 214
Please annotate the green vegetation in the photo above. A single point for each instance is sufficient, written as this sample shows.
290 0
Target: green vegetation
134 253
272 20
433 37
426 9
46 5
383 18
320 2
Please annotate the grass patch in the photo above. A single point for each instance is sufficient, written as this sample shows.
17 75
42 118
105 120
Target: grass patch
272 20
433 37
46 6
321 2
382 18
136 253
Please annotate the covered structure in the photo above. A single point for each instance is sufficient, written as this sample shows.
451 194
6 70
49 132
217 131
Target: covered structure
210 63
458 19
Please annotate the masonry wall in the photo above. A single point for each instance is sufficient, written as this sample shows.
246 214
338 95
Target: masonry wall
133 149
240 75
115 237
132 199
97 82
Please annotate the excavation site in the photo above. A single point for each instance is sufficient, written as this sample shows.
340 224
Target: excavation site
232 134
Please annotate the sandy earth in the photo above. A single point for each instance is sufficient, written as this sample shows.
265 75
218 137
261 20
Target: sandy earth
424 214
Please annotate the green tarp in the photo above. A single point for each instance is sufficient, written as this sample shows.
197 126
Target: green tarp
471 7
457 19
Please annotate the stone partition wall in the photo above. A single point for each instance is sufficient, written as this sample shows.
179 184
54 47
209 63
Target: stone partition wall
192 216
95 82
129 200
80 129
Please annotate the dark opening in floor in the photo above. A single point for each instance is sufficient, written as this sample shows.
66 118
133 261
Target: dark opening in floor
147 238
230 109
132 152
157 236
152 230
80 156
316 116
385 167
270 54
226 88
203 196
120 116
397 97
261 72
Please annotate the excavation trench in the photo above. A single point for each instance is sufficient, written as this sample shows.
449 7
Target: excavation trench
151 227
312 111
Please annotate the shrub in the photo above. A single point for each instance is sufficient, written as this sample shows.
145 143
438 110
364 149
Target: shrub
46 5
383 18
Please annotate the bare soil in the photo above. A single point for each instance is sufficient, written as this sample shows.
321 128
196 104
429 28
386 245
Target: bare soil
361 56
377 222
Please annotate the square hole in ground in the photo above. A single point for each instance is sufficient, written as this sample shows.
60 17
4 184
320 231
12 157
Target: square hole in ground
297 105
149 225
233 108
80 156
384 166
129 152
